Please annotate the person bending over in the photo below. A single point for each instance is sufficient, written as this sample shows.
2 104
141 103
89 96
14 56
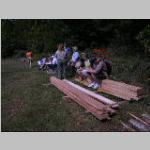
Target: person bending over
98 73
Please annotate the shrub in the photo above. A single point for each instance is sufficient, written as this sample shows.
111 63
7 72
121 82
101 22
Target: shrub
144 38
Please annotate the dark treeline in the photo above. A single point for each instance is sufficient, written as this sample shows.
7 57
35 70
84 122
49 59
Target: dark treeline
42 36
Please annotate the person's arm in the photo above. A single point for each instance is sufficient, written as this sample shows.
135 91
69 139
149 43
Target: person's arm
97 69
90 70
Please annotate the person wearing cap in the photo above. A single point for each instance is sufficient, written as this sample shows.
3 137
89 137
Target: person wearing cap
97 73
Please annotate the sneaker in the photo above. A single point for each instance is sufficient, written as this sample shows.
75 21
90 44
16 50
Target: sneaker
91 84
96 86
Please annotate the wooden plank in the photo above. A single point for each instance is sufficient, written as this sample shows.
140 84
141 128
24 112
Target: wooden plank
92 94
121 94
146 117
86 83
138 125
127 127
113 91
85 97
128 86
123 89
140 120
89 99
98 114
127 95
108 91
119 89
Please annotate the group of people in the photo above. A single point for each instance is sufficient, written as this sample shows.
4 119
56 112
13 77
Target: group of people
66 58
47 63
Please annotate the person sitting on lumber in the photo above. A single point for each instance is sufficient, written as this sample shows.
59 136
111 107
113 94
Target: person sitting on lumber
51 63
83 70
75 56
74 59
99 72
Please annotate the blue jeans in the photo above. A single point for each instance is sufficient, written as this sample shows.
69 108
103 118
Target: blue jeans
61 70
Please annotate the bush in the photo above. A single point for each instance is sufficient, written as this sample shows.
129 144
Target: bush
144 38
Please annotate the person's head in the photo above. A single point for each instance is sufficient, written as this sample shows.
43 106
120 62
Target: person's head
75 48
61 47
28 50
84 56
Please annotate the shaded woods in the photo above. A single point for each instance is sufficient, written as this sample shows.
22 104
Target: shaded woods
42 36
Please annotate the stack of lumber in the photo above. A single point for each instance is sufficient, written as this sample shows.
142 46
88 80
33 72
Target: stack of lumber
99 106
138 123
118 89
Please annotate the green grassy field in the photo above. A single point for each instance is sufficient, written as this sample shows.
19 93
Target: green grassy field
27 105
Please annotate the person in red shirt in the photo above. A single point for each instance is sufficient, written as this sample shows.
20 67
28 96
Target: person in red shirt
29 57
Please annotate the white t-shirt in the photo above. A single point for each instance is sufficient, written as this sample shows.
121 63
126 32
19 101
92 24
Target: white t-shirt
75 56
54 61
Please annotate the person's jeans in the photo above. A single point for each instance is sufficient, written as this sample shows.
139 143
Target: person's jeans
61 70
52 66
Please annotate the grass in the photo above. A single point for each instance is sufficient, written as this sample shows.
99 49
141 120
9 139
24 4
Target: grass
27 105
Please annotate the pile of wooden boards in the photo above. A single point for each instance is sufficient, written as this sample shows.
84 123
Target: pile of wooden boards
137 123
118 89
101 107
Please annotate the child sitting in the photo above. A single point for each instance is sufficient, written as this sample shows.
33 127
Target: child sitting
52 63
83 70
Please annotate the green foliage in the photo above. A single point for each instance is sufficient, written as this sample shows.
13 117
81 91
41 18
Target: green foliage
44 35
144 38
37 35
